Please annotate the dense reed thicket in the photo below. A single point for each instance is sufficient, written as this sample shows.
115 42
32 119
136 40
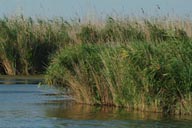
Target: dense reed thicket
143 65
140 65
141 75
25 44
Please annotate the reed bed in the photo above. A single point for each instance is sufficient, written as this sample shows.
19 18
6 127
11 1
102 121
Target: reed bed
142 76
142 65
25 44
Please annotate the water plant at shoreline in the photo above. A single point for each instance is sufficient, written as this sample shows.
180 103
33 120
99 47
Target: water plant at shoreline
142 65
27 44
142 76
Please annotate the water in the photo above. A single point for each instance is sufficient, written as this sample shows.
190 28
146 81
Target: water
30 106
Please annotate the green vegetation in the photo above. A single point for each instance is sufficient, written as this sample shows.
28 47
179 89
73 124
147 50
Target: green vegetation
143 65
141 75
25 45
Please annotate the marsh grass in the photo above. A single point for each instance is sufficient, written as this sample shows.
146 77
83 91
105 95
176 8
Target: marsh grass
141 75
138 64
26 44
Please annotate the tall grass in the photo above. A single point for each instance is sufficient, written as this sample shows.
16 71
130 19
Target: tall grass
26 44
142 75
140 65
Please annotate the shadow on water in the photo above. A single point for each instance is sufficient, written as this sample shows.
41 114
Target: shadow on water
19 92
8 80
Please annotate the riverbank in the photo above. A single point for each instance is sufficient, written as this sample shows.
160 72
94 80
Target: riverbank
141 65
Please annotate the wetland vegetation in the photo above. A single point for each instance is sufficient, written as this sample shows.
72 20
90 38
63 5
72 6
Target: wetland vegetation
140 64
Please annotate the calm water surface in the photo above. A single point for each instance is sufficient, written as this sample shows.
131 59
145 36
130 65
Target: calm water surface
24 105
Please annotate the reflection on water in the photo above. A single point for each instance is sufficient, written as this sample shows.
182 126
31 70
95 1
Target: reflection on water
90 116
31 106
70 110
20 80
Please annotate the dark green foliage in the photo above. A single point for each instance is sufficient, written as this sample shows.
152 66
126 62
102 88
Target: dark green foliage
41 53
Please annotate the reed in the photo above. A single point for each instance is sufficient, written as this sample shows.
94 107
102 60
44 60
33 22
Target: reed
138 64
26 44
141 75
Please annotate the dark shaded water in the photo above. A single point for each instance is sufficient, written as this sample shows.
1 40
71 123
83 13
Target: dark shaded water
30 106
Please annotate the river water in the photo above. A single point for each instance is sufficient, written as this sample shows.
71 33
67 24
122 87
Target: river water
25 104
